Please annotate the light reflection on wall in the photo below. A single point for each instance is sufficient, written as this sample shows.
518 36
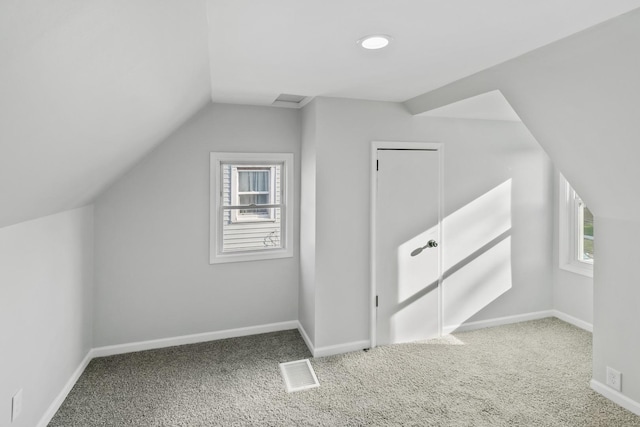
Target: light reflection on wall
476 265
476 255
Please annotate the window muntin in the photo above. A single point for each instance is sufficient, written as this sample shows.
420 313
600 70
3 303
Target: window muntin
575 232
251 216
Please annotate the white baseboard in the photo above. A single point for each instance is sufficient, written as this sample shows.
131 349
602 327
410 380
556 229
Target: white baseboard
616 396
330 350
192 339
573 320
497 321
306 338
57 402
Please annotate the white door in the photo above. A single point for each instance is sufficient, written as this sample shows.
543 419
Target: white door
407 253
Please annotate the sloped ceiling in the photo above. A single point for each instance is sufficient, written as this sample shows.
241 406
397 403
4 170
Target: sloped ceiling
86 89
579 98
487 106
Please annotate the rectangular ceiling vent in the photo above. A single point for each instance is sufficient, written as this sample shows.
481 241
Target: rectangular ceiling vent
298 375
291 101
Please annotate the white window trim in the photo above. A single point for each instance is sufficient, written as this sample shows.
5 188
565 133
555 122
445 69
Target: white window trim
568 223
215 205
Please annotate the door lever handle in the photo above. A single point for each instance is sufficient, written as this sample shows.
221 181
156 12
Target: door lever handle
430 244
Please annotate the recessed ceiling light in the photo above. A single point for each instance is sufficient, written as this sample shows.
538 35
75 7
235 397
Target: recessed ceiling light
375 41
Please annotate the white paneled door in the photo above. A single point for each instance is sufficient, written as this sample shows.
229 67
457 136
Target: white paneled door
407 244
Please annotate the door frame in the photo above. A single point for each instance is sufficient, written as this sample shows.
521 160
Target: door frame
396 145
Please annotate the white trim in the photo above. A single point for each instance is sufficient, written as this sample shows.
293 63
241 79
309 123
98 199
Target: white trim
615 396
440 238
330 350
375 145
57 402
192 339
286 210
579 267
306 338
506 320
373 242
568 223
573 320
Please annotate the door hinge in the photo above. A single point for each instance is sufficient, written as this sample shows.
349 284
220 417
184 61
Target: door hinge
377 164
376 300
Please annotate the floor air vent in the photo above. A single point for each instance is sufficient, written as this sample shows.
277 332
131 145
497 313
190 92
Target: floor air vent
298 375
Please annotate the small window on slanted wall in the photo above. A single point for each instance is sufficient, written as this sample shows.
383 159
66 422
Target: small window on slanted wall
575 232
251 206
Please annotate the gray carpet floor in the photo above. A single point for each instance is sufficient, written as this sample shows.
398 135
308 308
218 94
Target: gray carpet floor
527 374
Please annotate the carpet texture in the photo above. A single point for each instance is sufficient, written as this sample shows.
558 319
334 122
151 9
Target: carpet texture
527 374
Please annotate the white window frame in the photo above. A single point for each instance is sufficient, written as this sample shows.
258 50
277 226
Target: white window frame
569 224
237 217
216 216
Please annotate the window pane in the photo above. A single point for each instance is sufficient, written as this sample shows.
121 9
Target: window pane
587 229
244 235
253 180
253 214
253 199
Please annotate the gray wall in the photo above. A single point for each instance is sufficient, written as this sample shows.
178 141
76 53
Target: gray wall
579 97
616 341
479 156
153 277
45 308
307 291
573 294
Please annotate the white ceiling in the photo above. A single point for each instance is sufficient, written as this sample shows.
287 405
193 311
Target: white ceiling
260 49
88 87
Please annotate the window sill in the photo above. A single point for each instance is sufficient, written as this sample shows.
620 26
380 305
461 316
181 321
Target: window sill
251 256
579 267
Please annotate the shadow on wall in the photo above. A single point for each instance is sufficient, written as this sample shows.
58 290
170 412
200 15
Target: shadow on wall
476 251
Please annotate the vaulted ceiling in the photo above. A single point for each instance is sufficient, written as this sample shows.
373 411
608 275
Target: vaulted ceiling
578 98
88 87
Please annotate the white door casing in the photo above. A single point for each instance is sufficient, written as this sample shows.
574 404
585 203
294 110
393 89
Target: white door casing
406 216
